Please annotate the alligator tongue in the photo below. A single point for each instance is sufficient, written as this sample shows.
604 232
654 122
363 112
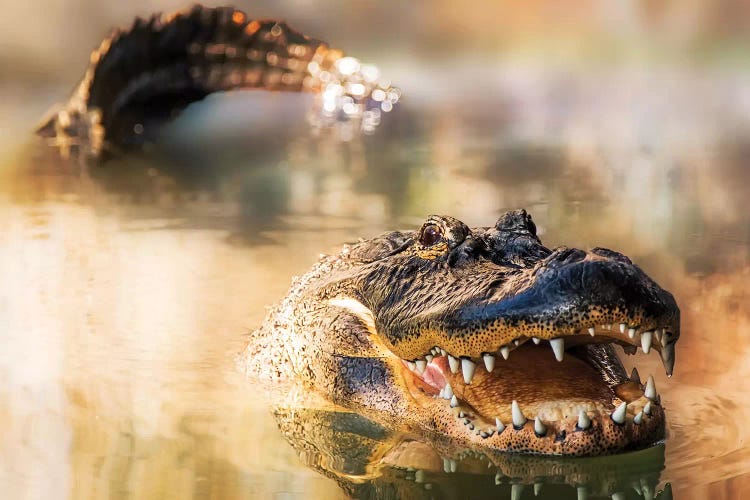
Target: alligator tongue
535 379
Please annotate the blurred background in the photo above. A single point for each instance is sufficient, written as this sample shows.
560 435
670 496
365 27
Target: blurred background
128 287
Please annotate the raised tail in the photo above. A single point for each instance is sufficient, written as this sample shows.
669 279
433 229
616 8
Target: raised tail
144 76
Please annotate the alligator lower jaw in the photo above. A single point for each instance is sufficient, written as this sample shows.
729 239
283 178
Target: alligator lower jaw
582 405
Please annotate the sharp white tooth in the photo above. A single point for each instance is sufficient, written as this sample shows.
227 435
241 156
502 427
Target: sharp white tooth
419 476
592 331
537 489
646 341
468 367
658 334
442 393
454 465
446 465
623 326
443 352
583 493
539 427
647 408
650 391
454 364
429 358
648 491
638 418
489 362
505 351
583 420
516 491
500 426
558 347
637 488
667 358
448 391
498 478
412 366
536 340
631 332
619 414
635 376
421 365
454 401
519 419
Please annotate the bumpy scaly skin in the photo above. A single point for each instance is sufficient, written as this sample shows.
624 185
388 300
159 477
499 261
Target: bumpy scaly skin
305 339
143 76
350 326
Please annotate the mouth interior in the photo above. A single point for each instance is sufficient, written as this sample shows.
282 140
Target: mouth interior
585 380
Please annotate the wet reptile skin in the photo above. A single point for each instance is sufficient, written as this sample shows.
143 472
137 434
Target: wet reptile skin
350 325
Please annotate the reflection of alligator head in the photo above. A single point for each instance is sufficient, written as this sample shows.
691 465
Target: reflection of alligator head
448 330
369 460
141 77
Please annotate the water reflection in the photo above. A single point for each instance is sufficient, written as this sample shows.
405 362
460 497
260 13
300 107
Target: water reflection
368 460
128 287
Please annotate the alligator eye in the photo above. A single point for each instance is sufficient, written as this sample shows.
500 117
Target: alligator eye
431 234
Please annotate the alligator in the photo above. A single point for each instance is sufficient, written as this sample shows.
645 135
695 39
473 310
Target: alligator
480 336
140 78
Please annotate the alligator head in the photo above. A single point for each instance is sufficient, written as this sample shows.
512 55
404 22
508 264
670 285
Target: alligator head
482 336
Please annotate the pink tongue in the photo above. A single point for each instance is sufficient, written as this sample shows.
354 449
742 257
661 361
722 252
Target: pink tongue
433 376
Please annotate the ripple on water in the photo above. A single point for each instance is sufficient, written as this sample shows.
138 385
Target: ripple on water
706 435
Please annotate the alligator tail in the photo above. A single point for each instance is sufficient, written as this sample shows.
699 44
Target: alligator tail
141 77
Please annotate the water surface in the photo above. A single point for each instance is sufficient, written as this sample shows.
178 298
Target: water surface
129 287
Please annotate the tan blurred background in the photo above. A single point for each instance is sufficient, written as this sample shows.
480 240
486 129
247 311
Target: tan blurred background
126 290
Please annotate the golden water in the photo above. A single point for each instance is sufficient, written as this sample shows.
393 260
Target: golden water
128 288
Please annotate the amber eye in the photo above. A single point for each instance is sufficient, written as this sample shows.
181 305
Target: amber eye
431 234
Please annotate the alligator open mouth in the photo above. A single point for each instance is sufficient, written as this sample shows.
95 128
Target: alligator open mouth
513 346
566 394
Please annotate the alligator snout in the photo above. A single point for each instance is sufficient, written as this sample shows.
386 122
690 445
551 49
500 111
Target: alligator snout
573 286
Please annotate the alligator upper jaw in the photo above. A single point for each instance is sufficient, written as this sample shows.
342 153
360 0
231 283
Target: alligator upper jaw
561 401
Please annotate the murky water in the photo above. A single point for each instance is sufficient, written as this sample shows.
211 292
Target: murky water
129 287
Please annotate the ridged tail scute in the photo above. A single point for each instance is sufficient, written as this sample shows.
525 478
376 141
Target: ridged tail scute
141 77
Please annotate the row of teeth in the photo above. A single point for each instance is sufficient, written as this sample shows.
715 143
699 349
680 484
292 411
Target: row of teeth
468 367
450 465
540 429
